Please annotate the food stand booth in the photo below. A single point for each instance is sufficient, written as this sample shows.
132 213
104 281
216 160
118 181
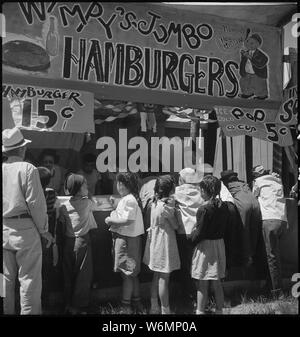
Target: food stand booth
74 73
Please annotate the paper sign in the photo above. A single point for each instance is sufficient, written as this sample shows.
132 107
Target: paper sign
289 109
47 109
144 46
256 123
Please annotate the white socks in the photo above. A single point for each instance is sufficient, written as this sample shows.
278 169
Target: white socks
198 312
155 308
165 310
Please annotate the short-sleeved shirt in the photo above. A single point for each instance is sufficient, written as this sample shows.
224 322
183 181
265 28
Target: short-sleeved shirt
128 209
269 191
80 211
189 199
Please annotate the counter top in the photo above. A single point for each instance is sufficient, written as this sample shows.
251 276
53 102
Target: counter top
103 202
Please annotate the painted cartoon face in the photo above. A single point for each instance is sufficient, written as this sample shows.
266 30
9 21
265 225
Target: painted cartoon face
251 44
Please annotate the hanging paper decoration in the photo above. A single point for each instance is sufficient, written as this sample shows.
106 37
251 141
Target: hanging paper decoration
121 109
117 108
147 114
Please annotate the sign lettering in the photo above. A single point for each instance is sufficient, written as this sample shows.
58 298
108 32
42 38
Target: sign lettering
47 109
170 51
257 123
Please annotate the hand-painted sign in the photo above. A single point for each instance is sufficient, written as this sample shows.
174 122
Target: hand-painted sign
143 46
256 123
47 109
289 109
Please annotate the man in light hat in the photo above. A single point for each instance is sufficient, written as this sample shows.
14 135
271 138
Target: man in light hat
24 221
188 199
269 191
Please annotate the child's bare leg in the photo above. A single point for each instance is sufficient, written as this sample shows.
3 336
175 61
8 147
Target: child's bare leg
127 288
202 291
154 294
154 285
163 289
219 295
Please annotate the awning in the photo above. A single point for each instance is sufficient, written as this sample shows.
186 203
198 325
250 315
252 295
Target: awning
275 14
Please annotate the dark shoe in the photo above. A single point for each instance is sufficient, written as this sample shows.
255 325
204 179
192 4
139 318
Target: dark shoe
137 306
277 294
265 290
126 308
219 312
81 312
154 311
260 97
245 96
67 310
47 312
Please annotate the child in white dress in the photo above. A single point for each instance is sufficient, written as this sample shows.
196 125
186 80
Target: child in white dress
161 252
127 227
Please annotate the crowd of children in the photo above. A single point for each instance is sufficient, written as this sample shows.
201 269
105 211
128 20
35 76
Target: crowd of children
186 230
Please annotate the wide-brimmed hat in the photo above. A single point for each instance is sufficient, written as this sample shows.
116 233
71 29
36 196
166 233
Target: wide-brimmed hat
190 175
259 170
206 168
13 139
227 174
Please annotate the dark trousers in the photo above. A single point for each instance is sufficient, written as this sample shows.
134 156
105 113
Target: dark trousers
183 276
47 271
272 231
78 271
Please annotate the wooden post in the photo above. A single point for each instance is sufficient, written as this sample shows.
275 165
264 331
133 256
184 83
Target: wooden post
194 132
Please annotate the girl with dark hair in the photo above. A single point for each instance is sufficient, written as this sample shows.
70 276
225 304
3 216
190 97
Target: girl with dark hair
209 261
77 256
127 227
161 251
